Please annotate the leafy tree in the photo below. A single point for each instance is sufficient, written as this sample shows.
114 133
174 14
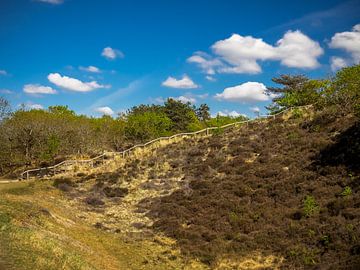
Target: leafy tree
61 110
203 112
5 108
181 114
147 125
296 90
344 89
145 108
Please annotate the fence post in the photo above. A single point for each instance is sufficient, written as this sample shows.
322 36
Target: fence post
27 175
207 131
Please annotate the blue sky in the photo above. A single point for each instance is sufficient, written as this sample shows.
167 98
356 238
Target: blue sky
106 56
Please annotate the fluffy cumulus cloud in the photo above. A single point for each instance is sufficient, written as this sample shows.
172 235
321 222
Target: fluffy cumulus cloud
338 63
242 53
38 89
348 41
233 114
186 99
185 82
73 84
33 106
206 62
105 110
298 50
246 92
111 54
54 2
92 69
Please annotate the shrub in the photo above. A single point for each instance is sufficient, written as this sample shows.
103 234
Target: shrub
346 192
93 200
61 182
310 206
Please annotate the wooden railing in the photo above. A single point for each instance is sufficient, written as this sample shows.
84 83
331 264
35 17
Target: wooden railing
52 169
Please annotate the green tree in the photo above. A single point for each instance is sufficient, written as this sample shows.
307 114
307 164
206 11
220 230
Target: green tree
203 112
61 110
296 90
5 108
182 115
344 90
147 125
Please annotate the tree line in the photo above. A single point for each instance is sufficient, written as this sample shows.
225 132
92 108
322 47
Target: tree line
43 137
37 137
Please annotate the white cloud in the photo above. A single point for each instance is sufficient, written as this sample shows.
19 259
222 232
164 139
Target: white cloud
206 62
6 91
73 84
33 106
38 89
105 110
255 109
338 63
186 99
92 69
348 41
111 54
298 50
185 82
242 53
233 114
54 2
158 100
210 78
246 92
3 72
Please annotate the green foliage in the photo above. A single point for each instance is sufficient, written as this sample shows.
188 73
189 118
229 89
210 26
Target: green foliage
181 115
296 90
53 146
346 192
147 125
203 112
344 90
219 120
310 206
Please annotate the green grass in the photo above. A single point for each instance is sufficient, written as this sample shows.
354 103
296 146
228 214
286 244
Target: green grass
38 230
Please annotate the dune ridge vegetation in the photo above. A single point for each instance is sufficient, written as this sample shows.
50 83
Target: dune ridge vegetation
276 194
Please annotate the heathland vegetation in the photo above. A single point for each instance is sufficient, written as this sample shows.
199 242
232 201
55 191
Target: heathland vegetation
279 193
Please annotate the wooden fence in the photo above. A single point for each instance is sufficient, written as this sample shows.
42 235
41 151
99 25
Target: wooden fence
52 170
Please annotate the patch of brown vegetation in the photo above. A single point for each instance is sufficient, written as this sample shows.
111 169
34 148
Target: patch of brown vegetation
235 204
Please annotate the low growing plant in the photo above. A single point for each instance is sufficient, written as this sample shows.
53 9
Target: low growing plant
310 206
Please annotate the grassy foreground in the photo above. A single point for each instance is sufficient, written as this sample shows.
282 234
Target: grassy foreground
39 229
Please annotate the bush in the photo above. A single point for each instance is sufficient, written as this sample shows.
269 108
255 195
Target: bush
346 192
310 206
93 200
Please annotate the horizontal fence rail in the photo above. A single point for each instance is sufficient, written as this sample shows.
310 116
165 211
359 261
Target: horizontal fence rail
26 174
